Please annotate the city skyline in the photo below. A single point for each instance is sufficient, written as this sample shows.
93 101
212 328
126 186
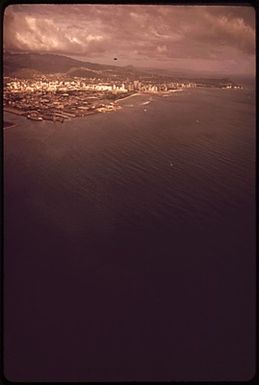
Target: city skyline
212 39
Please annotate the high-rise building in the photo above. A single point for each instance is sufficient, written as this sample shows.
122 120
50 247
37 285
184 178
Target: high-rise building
136 84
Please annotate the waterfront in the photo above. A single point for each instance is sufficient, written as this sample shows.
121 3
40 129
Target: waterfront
171 246
60 98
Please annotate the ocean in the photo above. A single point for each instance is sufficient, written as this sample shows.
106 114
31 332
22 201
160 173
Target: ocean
129 241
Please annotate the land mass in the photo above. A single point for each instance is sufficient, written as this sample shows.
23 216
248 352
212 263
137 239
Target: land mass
30 63
54 87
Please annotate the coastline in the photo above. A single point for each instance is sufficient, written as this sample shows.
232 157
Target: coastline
127 97
13 110
8 124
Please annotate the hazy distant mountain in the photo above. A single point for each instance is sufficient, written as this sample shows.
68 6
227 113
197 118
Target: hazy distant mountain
27 64
27 73
82 72
184 73
49 63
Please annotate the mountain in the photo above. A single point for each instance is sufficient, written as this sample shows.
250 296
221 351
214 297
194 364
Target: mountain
83 72
26 73
18 64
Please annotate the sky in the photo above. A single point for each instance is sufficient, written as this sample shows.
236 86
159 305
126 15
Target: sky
219 39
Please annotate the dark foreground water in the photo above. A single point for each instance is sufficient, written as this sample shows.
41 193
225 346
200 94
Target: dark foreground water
130 242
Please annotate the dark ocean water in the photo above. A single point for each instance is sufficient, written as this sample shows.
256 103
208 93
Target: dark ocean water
130 242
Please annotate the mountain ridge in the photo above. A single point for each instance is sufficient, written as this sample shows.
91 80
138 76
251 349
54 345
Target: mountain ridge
51 63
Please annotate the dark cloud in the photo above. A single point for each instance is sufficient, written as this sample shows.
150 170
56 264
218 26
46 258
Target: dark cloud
165 36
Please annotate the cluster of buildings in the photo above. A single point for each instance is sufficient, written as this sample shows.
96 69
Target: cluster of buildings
45 84
60 98
45 99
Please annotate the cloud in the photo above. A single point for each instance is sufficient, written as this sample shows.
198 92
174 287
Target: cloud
134 33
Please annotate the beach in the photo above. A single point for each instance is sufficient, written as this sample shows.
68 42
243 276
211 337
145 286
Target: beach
127 97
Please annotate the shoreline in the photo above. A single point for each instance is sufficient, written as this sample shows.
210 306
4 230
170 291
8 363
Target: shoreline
13 110
8 124
18 112
127 97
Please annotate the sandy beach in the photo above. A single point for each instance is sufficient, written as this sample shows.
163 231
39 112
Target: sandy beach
127 97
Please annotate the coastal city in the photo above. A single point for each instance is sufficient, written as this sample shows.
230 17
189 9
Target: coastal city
58 98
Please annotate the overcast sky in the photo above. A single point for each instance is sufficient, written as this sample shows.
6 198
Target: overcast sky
206 38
